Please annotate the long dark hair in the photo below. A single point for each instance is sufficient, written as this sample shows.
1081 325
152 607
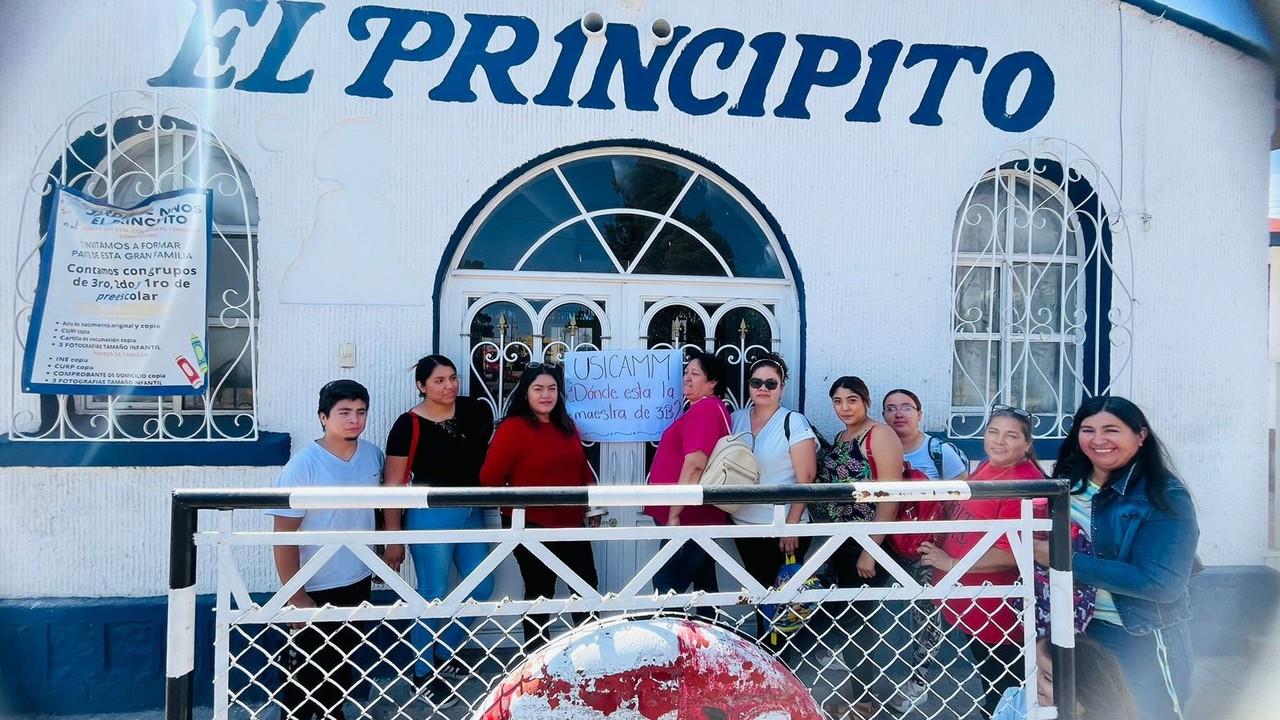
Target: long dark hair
427 364
855 385
520 407
1151 459
713 368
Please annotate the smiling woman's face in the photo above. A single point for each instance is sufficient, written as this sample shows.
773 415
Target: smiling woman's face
1108 442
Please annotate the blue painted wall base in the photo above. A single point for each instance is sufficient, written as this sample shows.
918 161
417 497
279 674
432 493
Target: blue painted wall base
88 655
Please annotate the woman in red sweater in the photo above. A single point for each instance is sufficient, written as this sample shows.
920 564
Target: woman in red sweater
992 623
537 445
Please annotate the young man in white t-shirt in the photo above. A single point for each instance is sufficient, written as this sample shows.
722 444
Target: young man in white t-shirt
318 659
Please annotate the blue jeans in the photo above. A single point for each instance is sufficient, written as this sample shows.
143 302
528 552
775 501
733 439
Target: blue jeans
1141 661
431 563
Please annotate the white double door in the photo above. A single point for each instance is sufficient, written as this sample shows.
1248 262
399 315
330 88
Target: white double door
503 321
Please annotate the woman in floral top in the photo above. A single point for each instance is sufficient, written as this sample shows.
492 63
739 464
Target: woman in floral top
864 450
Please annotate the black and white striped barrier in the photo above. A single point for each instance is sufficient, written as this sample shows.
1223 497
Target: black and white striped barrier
316 498
180 657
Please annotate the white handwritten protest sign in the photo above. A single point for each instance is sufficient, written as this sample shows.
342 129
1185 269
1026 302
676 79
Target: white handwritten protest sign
120 306
623 395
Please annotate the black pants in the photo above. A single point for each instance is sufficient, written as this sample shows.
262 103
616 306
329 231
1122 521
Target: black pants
762 559
1000 667
540 582
318 664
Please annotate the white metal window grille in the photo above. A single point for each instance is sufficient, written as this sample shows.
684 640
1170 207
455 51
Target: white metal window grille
1042 310
122 147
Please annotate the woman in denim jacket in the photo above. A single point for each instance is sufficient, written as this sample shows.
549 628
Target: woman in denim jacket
1142 523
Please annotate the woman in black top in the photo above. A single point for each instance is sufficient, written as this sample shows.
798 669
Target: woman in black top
441 442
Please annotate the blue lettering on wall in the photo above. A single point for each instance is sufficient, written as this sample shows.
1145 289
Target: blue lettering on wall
945 58
639 79
572 41
822 61
680 84
390 48
1035 104
768 47
884 55
475 54
182 71
807 75
294 14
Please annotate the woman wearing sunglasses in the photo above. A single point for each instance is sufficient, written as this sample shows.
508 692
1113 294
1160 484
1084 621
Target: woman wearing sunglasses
1142 523
992 623
786 449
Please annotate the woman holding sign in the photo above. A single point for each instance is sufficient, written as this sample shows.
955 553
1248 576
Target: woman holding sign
537 445
681 458
787 451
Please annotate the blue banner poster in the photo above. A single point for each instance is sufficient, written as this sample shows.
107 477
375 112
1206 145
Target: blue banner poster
624 395
120 307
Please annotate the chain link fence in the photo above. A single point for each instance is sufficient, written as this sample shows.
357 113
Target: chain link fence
919 645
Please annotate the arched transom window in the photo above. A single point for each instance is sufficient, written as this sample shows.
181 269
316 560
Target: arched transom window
623 214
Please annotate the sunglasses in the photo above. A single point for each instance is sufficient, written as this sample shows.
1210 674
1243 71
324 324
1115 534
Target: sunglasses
757 383
1011 410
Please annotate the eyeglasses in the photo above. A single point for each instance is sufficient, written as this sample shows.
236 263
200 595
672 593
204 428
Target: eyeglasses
757 383
900 409
1011 410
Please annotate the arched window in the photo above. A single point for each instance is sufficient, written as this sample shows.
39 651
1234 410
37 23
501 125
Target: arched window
616 246
623 214
137 153
1039 317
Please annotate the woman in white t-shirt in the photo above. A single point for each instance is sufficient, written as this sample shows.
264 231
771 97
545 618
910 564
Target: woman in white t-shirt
785 447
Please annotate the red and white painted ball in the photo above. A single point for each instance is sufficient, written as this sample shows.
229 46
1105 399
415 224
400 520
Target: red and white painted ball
650 669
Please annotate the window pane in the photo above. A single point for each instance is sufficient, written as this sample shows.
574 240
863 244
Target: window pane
572 326
976 220
975 373
743 327
977 308
675 252
229 279
235 202
573 249
626 234
230 377
497 367
1036 382
1037 217
677 325
742 336
1044 284
625 181
715 215
517 223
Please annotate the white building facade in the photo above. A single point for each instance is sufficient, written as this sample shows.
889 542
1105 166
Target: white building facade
980 203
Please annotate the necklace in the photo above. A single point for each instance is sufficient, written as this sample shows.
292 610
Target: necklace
857 434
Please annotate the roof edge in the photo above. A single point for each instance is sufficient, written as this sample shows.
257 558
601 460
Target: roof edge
1204 27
